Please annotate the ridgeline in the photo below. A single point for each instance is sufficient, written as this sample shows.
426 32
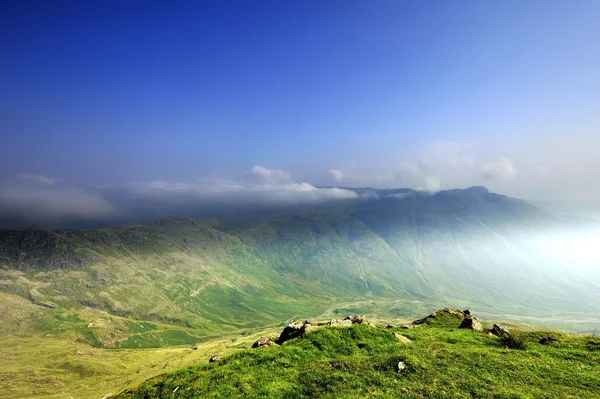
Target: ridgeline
446 354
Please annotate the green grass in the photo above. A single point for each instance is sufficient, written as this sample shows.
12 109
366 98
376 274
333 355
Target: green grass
158 339
360 361
56 368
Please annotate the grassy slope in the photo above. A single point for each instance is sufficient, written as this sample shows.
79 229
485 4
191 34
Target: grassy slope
222 275
176 281
360 362
34 367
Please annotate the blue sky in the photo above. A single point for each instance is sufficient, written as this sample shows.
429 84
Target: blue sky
426 94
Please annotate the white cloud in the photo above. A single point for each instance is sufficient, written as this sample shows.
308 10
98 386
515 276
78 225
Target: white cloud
337 175
504 168
269 176
33 201
430 184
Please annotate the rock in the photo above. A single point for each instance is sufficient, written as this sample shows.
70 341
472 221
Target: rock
402 338
401 367
439 314
500 331
264 342
408 326
339 323
467 312
389 326
358 319
297 329
471 323
214 359
548 340
293 330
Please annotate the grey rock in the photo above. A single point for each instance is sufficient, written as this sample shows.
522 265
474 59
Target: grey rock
500 331
402 338
400 367
471 323
264 342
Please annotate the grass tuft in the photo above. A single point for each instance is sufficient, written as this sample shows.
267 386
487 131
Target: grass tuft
514 340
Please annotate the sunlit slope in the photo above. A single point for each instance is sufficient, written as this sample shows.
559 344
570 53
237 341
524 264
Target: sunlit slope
435 360
480 243
218 275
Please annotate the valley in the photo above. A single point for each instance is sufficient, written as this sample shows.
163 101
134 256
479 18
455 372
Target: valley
87 312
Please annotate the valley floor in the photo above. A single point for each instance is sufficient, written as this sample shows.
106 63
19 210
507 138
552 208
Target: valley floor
52 368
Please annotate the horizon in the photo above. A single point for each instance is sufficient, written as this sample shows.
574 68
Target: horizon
111 104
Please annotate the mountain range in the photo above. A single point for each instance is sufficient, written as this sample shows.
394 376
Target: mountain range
205 277
465 246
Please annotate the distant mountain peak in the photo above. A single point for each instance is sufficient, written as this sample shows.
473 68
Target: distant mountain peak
477 190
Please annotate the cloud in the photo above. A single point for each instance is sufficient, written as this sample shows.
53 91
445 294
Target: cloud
30 200
337 175
501 169
269 176
430 184
38 178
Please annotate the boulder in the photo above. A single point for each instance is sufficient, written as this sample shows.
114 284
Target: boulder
402 338
409 325
400 367
358 319
297 329
293 330
442 313
214 359
264 342
500 331
389 326
471 323
339 323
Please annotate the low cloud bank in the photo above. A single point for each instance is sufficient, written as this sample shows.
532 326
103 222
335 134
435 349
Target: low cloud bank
32 200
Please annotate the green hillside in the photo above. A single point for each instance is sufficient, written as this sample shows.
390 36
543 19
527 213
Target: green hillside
365 361
143 294
186 279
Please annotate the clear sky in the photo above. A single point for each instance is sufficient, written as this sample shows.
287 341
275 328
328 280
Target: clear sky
195 97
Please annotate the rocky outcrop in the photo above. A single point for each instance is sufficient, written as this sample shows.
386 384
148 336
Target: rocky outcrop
500 331
296 329
402 338
440 314
359 319
471 323
214 359
264 342
339 323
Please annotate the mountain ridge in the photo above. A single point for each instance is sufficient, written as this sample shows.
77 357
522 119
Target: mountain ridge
456 245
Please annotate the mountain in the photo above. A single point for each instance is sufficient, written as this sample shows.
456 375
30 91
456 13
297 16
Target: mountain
206 277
